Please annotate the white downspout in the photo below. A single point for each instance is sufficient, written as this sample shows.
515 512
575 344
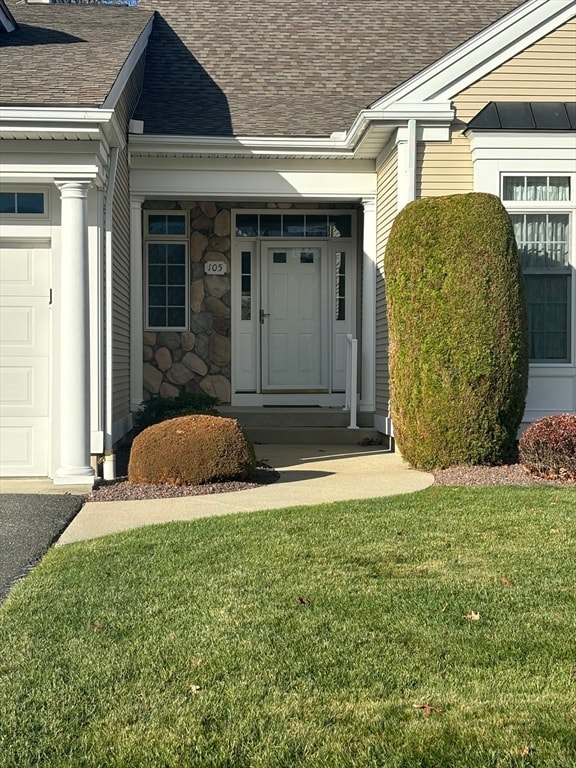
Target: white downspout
109 465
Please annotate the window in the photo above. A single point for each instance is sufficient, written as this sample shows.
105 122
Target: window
295 225
22 203
166 251
539 208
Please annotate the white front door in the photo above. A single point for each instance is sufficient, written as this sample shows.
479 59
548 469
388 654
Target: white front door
24 360
293 318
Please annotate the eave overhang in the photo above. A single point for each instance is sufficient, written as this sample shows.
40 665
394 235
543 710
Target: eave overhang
371 131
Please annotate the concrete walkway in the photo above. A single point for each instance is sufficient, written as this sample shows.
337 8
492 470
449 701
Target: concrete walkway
308 475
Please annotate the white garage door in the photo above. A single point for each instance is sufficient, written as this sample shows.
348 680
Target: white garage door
24 360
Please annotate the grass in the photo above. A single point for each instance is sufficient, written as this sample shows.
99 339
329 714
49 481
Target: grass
337 635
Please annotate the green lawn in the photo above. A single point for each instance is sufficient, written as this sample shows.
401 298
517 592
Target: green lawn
435 629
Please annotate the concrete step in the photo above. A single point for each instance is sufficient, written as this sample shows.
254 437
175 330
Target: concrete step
313 436
263 416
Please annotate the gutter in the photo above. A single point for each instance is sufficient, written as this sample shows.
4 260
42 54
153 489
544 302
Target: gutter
109 464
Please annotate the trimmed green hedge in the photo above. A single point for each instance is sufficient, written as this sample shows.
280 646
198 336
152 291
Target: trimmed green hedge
458 331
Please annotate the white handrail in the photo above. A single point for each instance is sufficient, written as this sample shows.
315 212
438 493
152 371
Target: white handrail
351 379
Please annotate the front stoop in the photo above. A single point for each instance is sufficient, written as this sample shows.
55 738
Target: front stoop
304 426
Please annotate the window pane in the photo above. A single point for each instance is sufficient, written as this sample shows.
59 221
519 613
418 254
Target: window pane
176 253
30 202
176 296
156 275
176 317
271 225
7 202
316 226
306 257
513 188
293 226
156 224
176 275
157 296
247 225
246 262
176 224
559 188
157 317
341 226
279 258
156 253
246 283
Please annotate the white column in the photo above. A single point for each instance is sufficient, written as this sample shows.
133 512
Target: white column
367 399
136 310
74 338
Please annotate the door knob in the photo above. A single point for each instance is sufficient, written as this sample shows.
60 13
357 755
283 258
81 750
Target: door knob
263 315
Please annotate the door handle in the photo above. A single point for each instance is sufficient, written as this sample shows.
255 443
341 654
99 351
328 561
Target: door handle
263 315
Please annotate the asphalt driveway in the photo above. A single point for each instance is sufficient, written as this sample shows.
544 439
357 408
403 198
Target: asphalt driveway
29 524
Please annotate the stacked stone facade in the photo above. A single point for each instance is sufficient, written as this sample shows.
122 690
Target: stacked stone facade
197 360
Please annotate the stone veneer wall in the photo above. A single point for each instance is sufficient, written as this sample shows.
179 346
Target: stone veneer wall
199 360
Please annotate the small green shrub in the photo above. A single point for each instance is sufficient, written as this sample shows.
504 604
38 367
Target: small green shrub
548 447
158 409
458 348
191 450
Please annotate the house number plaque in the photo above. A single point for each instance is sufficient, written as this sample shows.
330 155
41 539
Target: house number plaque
215 268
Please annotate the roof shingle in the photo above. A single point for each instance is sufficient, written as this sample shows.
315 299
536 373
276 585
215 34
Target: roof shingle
66 55
287 67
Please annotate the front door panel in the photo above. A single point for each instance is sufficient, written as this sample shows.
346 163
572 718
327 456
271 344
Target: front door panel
293 318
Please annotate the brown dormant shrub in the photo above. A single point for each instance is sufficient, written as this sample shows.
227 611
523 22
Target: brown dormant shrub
191 450
548 447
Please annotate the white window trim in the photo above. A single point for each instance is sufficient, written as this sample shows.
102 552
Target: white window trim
24 217
183 239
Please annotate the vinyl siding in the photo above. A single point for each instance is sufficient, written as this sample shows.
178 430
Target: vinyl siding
544 72
387 206
121 256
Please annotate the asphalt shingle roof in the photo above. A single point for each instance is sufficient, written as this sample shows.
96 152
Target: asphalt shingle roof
292 67
66 55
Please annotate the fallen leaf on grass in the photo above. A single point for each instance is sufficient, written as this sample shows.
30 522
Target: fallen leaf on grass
427 709
472 616
506 582
525 751
97 626
195 688
573 672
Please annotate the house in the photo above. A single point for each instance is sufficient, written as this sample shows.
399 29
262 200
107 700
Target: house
198 198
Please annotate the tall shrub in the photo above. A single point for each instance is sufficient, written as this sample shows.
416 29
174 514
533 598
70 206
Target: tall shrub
458 331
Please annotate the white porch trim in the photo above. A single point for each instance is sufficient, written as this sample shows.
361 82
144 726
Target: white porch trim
368 352
136 304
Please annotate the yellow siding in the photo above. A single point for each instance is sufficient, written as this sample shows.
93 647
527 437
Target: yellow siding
387 206
544 72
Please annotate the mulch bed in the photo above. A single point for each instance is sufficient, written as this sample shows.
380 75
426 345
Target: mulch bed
507 474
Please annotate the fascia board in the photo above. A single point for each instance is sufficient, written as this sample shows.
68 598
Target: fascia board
59 115
483 53
257 146
128 67
254 145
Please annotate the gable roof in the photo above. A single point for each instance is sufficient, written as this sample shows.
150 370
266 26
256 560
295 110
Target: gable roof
289 68
66 55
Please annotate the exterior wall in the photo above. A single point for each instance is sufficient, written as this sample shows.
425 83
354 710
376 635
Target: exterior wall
543 72
121 256
386 209
199 359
